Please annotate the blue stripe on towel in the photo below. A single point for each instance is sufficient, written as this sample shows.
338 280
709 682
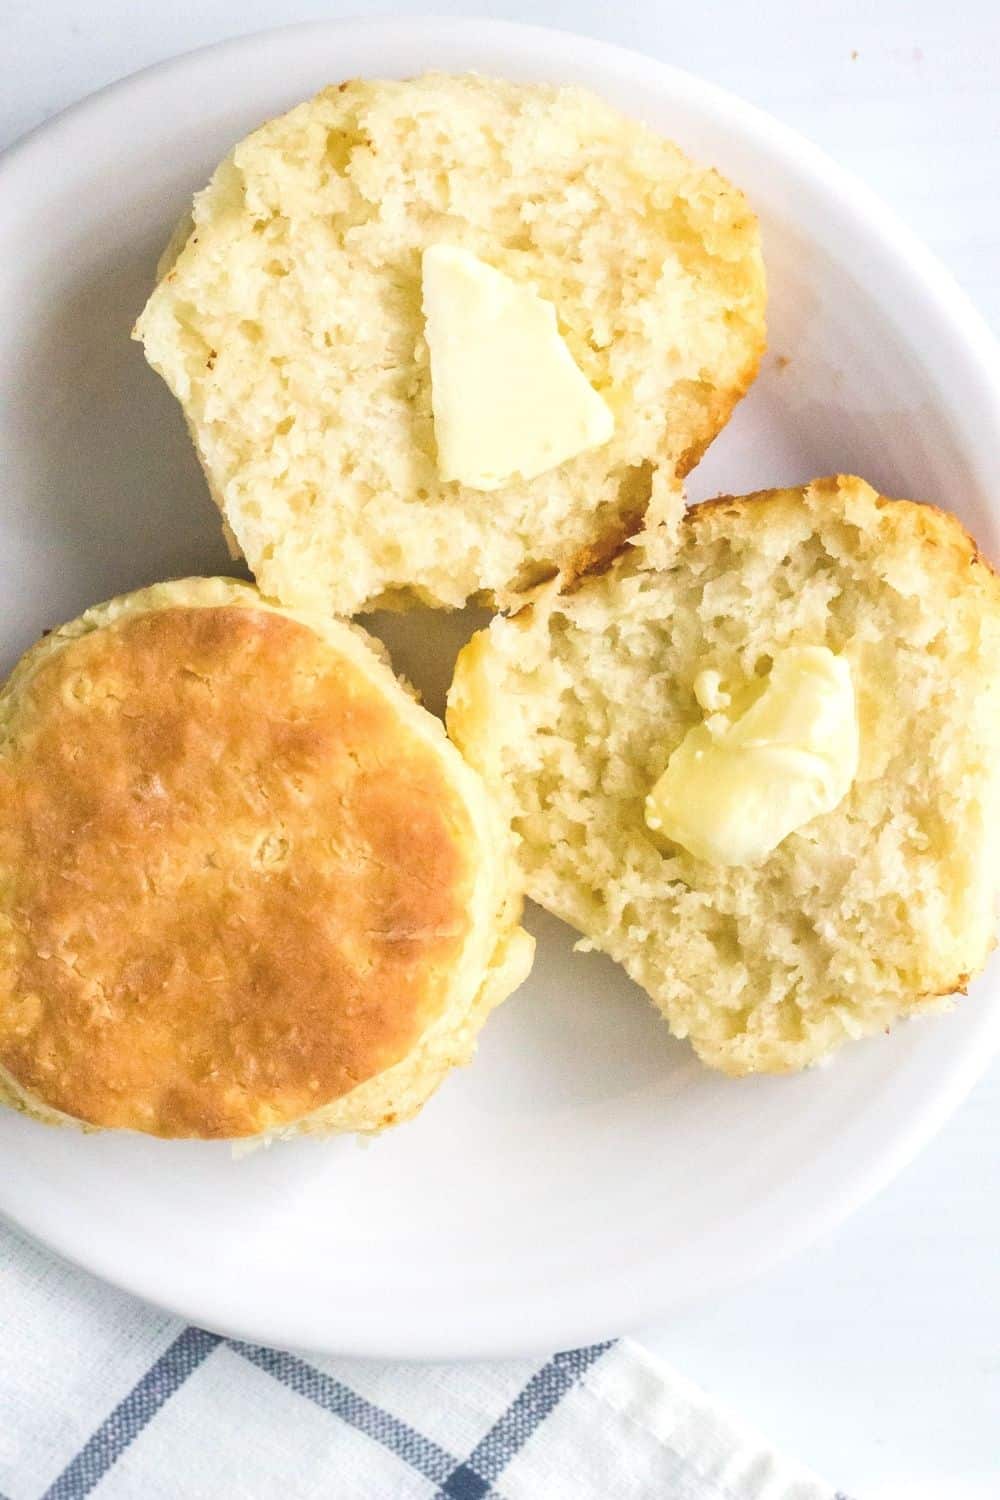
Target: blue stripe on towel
526 1413
130 1416
405 1442
471 1479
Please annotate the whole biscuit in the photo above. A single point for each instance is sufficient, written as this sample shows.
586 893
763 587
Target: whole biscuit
246 885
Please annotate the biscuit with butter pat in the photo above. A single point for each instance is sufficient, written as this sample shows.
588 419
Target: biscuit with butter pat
763 774
296 323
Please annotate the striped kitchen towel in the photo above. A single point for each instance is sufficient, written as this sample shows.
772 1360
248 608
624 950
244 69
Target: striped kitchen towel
100 1395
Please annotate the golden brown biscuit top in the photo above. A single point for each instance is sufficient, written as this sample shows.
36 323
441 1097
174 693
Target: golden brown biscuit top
233 884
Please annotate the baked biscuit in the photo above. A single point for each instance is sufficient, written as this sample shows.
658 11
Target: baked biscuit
288 323
247 887
876 908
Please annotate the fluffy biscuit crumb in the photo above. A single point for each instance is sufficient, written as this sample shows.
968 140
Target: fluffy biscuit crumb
288 324
879 908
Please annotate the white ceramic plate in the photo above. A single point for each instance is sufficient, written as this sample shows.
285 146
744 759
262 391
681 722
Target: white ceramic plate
586 1174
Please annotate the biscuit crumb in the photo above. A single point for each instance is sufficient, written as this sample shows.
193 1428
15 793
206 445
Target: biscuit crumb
864 915
346 510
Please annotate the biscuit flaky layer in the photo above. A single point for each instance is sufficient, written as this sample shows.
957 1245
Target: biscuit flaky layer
572 709
242 873
288 324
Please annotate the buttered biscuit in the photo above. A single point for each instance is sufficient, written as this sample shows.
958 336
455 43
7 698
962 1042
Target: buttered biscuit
441 338
764 774
247 887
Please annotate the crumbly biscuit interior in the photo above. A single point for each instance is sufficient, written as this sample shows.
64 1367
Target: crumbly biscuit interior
867 912
290 328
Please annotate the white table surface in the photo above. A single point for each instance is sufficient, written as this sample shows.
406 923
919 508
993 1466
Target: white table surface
876 1355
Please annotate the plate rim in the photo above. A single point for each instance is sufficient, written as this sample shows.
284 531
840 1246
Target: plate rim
559 1327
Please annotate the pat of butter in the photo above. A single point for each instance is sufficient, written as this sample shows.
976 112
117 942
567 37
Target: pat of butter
766 760
508 399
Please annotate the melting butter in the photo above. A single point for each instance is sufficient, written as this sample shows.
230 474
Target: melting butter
508 399
766 760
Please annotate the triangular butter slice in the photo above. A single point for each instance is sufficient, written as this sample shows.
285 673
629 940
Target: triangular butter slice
509 400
